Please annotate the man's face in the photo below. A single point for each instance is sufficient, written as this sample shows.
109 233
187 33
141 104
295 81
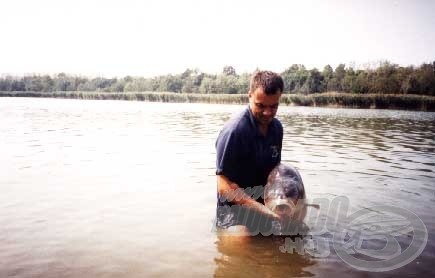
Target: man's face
263 106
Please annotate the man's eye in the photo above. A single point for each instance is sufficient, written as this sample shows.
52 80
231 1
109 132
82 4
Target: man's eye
259 105
262 106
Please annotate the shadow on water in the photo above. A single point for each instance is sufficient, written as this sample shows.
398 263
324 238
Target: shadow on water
258 256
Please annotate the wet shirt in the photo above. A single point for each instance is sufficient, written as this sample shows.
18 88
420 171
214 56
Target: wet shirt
245 156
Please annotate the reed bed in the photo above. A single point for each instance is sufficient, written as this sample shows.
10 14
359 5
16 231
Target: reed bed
330 99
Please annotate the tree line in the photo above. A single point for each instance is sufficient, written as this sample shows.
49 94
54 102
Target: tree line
387 78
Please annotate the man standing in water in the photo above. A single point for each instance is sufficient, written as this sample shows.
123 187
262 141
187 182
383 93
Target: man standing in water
248 148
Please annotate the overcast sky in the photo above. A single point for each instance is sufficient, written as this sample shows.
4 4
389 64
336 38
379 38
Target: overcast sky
147 38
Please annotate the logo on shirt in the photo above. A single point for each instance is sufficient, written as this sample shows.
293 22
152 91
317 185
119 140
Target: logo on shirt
274 150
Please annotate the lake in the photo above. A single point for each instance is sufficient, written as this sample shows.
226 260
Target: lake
117 188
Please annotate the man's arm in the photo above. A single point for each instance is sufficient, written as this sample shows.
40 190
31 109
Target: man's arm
231 191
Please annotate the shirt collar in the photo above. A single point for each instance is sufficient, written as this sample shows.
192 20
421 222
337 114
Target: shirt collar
251 118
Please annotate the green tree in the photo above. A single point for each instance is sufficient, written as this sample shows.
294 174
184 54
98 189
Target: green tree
314 82
229 70
385 80
209 85
349 81
242 83
170 83
33 83
295 77
227 84
335 83
425 76
328 74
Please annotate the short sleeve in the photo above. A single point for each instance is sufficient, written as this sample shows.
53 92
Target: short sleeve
226 153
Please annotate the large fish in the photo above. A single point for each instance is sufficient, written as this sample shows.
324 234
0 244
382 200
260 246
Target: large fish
284 193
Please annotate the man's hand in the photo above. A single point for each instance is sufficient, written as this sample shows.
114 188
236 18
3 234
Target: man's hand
267 212
231 191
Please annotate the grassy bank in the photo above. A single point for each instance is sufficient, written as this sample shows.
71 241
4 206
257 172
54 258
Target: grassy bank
378 101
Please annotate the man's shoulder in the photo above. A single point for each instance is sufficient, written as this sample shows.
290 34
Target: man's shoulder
238 124
277 123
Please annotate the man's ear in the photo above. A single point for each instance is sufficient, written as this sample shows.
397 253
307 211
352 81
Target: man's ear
249 94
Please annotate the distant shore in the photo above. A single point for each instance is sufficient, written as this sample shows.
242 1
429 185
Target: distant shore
329 99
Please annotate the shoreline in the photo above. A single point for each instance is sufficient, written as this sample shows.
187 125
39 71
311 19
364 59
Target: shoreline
329 99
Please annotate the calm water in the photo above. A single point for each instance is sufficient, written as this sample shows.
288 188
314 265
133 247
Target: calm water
112 188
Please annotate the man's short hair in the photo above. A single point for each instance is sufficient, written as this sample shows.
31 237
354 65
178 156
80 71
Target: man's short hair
271 82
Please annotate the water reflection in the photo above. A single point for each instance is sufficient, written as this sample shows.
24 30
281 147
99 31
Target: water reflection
258 256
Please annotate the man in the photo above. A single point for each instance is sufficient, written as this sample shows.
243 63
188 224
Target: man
248 148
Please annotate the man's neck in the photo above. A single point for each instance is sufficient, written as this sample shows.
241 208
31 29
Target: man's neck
263 129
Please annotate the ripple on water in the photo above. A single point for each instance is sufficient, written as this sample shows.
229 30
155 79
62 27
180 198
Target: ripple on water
100 192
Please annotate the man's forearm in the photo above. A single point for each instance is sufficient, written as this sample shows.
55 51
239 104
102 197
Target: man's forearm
232 192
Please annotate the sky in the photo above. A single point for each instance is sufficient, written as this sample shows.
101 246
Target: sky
148 38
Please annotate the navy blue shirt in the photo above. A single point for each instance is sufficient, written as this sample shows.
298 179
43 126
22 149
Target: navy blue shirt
244 155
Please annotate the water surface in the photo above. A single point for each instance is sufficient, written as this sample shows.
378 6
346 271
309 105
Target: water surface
112 188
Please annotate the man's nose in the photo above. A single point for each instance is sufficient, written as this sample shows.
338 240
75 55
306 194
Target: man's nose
267 111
